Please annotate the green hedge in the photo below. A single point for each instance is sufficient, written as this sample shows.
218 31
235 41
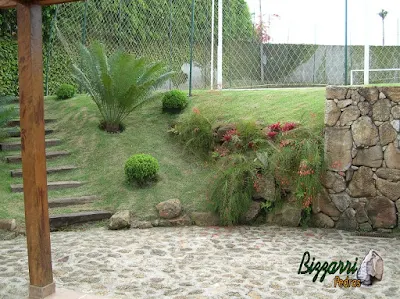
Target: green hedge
9 68
59 71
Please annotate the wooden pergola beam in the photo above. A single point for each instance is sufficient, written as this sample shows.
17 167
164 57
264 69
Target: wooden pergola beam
31 102
30 65
13 3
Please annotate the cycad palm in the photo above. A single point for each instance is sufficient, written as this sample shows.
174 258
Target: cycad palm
117 84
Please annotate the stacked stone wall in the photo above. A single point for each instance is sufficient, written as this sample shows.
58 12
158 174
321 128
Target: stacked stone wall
362 150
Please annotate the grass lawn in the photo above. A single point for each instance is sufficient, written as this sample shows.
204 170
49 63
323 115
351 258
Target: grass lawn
101 156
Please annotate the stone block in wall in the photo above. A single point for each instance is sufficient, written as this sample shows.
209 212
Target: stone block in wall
361 213
322 203
392 93
342 201
392 156
371 157
349 115
338 145
364 107
333 181
371 94
381 110
344 103
391 175
396 125
362 183
332 113
356 97
389 189
336 92
322 221
365 227
396 112
347 220
382 212
387 133
365 133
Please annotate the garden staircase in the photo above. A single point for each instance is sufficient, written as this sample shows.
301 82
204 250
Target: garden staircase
74 203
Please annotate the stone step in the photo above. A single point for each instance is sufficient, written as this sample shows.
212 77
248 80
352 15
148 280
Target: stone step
15 188
58 221
71 201
18 172
17 133
13 146
16 122
49 155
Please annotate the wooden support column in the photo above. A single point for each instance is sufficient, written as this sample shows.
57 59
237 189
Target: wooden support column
33 149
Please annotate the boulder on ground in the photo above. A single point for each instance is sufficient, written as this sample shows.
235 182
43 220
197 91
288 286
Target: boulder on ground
288 215
120 220
322 221
252 213
8 224
169 209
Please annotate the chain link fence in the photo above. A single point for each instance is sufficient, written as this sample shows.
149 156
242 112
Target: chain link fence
259 49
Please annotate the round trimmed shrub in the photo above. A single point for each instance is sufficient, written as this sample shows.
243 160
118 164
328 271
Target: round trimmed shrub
141 168
65 91
174 100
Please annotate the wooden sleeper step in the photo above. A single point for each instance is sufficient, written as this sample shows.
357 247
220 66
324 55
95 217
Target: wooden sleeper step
13 146
58 221
17 133
18 172
71 201
15 188
49 155
16 122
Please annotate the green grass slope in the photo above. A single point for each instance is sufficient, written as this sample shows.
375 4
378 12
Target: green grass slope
101 156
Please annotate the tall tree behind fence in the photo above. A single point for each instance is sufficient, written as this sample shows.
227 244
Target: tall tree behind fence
161 30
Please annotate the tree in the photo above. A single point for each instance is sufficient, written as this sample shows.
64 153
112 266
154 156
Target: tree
383 13
118 84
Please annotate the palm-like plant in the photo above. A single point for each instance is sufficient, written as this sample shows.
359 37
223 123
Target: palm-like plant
383 13
117 84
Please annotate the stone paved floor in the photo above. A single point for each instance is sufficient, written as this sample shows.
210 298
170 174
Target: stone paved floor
194 262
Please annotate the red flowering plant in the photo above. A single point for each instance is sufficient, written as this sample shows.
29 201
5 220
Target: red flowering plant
297 162
244 137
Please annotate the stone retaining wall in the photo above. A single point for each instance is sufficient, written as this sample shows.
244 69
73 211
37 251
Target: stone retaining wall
362 148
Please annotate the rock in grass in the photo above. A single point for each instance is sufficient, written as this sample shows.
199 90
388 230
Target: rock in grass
120 220
169 209
8 224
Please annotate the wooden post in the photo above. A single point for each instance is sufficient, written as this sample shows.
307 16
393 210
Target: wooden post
31 102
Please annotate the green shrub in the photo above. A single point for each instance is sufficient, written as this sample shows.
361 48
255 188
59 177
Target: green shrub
194 129
174 99
141 168
232 188
65 91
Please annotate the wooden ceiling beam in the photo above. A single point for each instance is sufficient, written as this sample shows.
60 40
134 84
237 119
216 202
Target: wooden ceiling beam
13 3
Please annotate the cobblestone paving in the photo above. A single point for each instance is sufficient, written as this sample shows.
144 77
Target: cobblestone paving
194 262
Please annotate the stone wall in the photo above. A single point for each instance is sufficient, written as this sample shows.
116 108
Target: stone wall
362 149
